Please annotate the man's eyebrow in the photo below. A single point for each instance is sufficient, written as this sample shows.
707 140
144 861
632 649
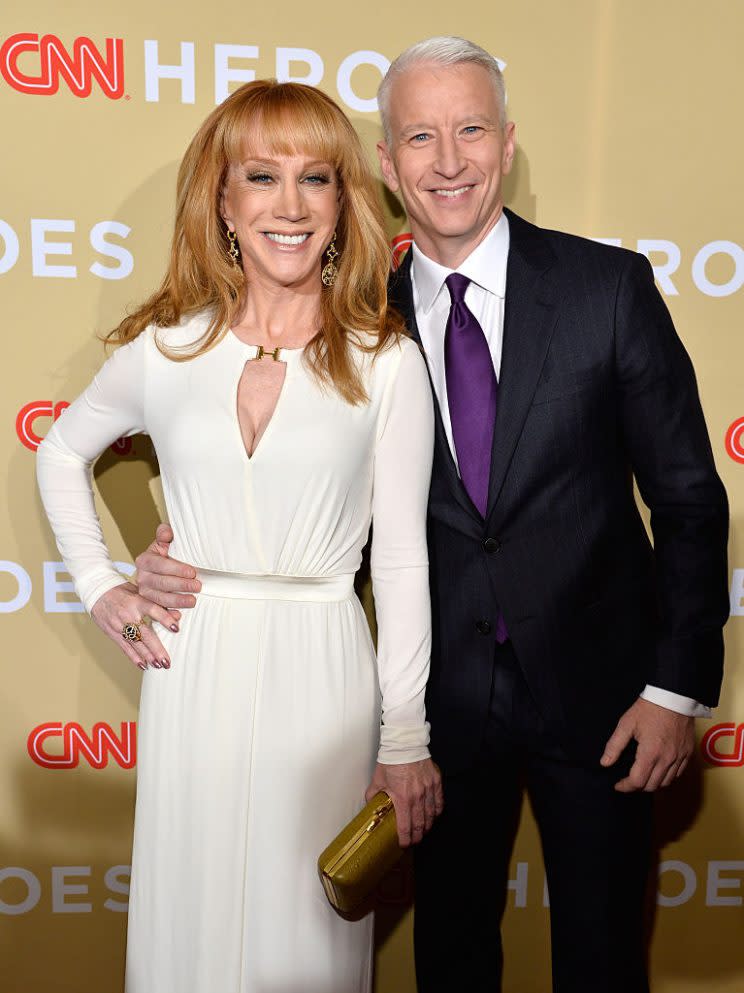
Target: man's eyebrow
470 118
415 128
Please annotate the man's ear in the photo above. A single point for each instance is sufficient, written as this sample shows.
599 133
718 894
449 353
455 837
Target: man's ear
387 167
510 145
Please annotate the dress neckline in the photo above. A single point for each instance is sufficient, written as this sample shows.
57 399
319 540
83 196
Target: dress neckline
287 355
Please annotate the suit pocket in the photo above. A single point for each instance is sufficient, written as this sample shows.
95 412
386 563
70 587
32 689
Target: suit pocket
566 384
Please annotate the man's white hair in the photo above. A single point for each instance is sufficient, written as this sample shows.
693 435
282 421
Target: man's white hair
444 51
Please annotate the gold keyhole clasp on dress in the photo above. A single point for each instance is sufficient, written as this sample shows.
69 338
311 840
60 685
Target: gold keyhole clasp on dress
262 352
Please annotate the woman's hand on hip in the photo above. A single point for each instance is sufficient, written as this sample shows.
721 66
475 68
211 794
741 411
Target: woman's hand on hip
164 580
124 605
416 792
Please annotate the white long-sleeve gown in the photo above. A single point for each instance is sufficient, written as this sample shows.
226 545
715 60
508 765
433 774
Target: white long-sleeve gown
257 745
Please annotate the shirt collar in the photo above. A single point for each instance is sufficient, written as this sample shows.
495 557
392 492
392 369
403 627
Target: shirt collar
486 266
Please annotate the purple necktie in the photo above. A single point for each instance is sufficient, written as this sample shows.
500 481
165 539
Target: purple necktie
472 394
472 391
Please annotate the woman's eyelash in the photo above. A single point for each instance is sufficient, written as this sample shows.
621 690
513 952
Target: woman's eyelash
319 178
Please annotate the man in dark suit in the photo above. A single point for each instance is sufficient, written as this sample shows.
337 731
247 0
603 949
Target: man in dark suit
569 656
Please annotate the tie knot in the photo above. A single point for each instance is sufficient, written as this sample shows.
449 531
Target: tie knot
457 284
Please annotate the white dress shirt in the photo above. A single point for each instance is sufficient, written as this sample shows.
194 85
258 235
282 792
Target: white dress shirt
485 267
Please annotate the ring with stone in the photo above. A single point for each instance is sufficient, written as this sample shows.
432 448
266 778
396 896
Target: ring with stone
131 632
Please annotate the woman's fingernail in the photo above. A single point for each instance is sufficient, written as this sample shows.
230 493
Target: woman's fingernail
174 627
165 663
142 666
155 663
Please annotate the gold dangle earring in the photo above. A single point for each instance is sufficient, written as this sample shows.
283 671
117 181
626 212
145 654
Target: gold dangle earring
330 269
234 250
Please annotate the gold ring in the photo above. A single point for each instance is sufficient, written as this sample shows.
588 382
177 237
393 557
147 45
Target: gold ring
131 632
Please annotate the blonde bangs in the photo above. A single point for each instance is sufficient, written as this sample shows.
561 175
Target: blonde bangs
276 121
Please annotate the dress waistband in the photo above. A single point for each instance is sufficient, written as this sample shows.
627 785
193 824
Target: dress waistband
311 589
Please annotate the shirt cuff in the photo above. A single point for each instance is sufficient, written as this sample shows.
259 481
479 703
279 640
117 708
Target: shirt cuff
400 745
92 592
674 701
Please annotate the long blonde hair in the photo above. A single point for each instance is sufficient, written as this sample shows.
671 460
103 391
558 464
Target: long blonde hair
286 119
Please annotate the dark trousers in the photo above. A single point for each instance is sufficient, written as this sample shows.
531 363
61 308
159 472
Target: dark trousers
596 845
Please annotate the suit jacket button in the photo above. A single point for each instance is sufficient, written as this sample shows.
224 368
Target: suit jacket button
483 627
491 545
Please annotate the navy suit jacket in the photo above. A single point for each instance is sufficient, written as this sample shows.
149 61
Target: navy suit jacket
595 389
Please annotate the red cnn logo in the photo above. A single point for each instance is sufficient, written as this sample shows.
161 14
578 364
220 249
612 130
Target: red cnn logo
27 416
400 245
733 745
95 750
735 440
78 69
29 413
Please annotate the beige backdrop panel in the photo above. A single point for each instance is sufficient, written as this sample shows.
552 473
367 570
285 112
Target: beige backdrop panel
628 125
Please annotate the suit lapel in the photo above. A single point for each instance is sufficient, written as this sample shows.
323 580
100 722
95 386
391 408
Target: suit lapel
400 295
531 310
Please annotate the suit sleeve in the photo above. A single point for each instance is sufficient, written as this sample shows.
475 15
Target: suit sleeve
112 406
668 446
399 557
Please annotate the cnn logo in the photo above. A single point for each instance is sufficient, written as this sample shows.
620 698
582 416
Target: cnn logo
52 62
400 245
73 744
723 744
734 440
31 412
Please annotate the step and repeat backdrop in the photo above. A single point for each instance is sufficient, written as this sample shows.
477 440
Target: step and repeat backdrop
627 117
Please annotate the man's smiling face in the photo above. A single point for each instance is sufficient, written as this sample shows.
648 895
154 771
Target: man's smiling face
447 155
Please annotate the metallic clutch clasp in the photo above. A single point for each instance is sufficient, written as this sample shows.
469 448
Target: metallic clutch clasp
378 814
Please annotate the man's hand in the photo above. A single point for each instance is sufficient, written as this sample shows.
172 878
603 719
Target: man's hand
416 791
164 580
666 740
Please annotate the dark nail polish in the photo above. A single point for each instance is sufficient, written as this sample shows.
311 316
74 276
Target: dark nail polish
155 663
174 627
165 663
142 666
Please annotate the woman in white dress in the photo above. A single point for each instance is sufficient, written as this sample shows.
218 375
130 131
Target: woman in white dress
287 410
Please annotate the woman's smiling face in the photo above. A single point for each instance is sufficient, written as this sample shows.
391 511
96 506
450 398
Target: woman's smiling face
284 210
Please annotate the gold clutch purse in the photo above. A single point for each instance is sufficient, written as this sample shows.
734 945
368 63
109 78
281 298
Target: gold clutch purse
357 858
